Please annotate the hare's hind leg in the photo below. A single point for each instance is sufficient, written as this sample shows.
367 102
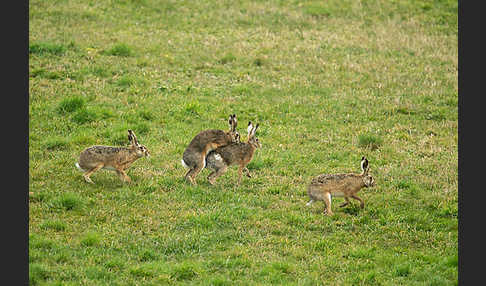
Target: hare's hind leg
327 201
210 180
188 176
89 172
193 172
212 177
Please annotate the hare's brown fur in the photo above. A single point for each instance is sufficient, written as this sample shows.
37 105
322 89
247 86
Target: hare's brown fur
234 154
326 186
194 157
117 159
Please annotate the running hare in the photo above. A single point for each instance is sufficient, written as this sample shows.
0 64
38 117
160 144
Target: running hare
111 158
326 186
234 154
194 157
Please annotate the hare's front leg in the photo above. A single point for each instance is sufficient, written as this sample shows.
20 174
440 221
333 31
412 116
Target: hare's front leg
123 176
89 172
247 172
240 172
361 205
345 203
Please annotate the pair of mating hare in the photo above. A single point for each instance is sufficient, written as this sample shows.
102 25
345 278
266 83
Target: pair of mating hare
213 149
217 150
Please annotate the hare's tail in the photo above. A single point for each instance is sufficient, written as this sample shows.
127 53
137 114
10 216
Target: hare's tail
184 164
79 168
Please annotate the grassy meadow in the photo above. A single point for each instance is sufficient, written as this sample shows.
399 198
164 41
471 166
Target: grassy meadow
328 82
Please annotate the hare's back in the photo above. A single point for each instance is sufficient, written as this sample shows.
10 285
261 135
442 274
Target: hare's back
206 137
234 152
329 178
98 153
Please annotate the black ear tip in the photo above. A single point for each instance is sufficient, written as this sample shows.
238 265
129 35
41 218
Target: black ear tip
249 123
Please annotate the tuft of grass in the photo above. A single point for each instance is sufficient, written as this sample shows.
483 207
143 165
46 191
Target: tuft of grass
142 272
38 273
56 143
228 58
68 201
71 104
402 270
55 225
84 115
369 141
193 108
259 62
317 11
119 139
148 255
90 239
436 115
119 50
452 261
406 110
114 264
141 128
184 271
146 115
45 48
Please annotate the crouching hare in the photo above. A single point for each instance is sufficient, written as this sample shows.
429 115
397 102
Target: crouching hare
326 186
234 154
194 157
117 159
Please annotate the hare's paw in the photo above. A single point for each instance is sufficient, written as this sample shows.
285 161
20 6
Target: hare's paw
88 179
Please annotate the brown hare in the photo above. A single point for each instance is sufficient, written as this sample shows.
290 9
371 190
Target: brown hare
194 157
111 158
326 186
234 154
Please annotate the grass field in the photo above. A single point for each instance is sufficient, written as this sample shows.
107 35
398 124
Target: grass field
328 82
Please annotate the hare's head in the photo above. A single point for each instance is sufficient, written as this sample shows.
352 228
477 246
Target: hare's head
237 138
368 181
367 178
252 139
139 149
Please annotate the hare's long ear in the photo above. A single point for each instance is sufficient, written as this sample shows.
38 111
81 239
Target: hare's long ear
364 165
232 122
132 138
235 123
249 129
255 129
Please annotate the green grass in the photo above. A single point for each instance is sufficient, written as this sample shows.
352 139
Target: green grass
121 50
328 81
